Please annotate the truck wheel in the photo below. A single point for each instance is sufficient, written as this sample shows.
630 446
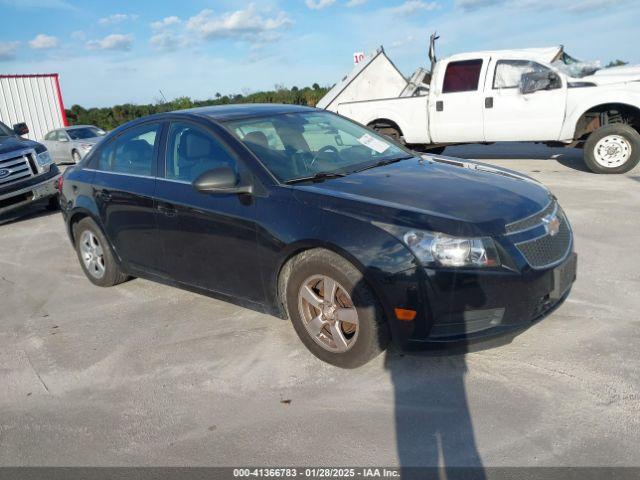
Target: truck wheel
334 312
96 257
612 149
391 132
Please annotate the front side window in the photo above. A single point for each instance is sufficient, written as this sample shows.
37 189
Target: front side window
509 72
297 145
463 76
192 151
132 152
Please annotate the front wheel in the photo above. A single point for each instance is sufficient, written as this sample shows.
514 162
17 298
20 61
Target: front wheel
76 157
334 312
612 149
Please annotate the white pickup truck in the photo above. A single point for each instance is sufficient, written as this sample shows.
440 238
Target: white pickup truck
535 95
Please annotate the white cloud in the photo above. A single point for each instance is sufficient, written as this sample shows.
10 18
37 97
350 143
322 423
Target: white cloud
165 22
355 3
413 6
43 42
8 50
568 5
115 41
168 41
116 18
319 4
247 24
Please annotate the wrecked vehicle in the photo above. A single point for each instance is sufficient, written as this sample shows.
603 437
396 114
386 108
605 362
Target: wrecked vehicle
532 95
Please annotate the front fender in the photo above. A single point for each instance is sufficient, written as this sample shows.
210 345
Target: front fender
581 100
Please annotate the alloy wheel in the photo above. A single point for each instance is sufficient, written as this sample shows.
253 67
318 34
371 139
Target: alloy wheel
328 313
92 254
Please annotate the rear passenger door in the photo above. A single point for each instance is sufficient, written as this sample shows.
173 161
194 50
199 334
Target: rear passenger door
124 185
456 104
209 239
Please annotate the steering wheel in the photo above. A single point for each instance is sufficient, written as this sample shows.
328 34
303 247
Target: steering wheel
325 149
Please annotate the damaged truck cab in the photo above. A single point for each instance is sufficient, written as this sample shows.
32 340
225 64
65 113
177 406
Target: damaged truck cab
530 95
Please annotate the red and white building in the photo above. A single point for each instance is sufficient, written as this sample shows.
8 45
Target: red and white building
34 99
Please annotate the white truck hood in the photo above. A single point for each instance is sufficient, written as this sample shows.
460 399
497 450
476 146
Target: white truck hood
610 76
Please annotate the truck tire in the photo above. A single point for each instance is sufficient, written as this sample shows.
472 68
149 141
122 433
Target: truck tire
96 258
334 312
613 148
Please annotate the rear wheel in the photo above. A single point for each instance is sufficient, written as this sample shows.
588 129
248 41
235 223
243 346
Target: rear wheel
95 255
334 312
612 149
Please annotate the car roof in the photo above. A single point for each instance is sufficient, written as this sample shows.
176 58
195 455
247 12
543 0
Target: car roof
245 110
545 55
73 127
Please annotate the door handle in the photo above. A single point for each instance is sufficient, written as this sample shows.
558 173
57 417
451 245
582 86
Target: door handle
488 102
167 209
439 106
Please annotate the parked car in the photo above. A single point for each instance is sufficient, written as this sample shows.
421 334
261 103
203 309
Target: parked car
305 214
529 95
70 144
27 172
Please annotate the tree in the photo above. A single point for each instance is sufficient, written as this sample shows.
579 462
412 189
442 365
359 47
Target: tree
218 95
315 86
616 63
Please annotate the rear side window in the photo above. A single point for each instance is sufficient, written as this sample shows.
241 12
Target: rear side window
51 136
462 76
192 151
132 152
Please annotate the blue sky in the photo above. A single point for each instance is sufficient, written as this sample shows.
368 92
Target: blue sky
118 51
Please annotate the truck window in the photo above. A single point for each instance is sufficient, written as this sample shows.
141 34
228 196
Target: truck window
509 72
462 76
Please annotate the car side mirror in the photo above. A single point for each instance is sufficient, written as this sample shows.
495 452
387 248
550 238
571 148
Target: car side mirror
536 81
20 129
219 181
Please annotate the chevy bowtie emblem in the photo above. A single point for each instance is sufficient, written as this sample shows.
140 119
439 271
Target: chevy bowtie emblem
551 224
4 173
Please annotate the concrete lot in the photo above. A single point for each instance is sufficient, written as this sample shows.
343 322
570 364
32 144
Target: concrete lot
144 374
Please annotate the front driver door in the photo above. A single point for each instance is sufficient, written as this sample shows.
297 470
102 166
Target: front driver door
511 115
455 105
209 239
124 185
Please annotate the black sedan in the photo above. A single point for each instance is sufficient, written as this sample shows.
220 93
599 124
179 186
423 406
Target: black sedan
304 214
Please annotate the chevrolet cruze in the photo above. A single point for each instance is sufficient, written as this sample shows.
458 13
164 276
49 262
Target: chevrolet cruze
307 215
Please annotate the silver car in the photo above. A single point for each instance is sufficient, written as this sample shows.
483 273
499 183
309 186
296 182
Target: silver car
70 144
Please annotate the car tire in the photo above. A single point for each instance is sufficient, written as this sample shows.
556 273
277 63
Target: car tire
355 343
75 156
613 148
101 268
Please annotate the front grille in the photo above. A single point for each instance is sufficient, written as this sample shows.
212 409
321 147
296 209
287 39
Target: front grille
548 250
532 221
16 166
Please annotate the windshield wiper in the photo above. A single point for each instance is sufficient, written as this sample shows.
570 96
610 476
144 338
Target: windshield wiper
382 163
315 176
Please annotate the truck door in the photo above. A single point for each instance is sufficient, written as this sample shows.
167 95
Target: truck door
456 104
511 115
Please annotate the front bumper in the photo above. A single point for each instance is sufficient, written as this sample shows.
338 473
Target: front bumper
463 306
32 190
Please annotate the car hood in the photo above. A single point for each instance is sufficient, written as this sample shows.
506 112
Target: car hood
610 76
10 144
440 194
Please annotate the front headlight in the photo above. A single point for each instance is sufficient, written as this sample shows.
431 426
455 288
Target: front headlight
438 249
44 158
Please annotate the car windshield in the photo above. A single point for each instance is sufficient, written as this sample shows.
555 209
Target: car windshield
297 146
85 132
5 131
573 67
